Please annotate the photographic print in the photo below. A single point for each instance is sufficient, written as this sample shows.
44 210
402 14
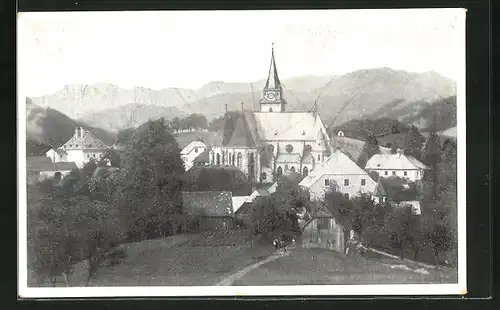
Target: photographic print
241 153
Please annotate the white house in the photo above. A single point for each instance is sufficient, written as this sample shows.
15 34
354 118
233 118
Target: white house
80 148
191 152
397 165
339 173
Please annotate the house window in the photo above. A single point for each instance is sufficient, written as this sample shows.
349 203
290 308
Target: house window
363 182
405 173
386 173
394 173
319 157
346 182
76 145
279 171
327 182
323 223
196 150
305 172
238 160
346 195
93 155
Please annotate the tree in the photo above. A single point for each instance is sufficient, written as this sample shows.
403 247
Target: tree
413 143
370 148
438 232
113 157
150 193
431 156
402 227
363 213
217 124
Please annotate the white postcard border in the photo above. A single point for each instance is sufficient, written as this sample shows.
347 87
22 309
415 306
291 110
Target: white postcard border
292 290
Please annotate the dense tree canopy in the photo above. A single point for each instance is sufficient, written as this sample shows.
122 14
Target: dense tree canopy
150 194
414 142
370 148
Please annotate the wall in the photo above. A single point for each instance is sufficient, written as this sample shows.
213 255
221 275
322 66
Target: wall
264 107
245 155
328 239
412 175
77 157
56 157
188 158
318 189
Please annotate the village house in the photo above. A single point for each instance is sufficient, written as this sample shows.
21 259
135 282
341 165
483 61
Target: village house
397 165
338 173
267 143
321 230
207 211
82 147
39 168
191 152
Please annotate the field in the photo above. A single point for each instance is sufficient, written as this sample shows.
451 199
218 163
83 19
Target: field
180 260
315 266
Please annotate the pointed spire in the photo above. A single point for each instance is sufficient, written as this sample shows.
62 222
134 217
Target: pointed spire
273 81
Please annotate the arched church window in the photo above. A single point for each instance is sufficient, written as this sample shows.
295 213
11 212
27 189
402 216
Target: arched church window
286 168
270 148
223 158
319 157
305 171
218 159
238 160
230 157
270 109
279 171
308 148
233 159
289 148
292 169
212 158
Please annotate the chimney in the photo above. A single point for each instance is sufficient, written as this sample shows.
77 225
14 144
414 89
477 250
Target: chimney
399 152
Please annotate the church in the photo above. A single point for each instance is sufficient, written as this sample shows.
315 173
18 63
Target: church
268 143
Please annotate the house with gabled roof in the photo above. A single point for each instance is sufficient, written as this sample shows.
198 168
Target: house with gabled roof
191 152
267 143
397 165
209 210
320 229
338 173
82 147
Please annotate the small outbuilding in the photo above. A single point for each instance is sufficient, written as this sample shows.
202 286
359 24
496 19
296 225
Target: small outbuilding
321 230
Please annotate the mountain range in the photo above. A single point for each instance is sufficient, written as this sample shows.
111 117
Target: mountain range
355 95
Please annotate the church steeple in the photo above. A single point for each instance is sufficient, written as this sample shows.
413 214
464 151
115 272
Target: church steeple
272 99
273 81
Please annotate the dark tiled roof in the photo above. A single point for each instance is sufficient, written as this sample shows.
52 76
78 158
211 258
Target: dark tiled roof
240 129
65 166
202 158
38 163
208 203
43 163
317 212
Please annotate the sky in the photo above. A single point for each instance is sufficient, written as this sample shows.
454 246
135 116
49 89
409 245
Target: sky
188 49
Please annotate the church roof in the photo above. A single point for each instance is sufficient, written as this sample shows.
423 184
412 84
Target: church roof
273 81
287 126
191 146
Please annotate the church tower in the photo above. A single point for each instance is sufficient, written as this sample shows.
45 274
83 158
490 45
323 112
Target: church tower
272 96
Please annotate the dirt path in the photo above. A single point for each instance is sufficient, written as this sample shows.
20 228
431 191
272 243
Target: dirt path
239 274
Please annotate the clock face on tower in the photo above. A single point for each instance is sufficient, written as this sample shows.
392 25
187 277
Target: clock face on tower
270 96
